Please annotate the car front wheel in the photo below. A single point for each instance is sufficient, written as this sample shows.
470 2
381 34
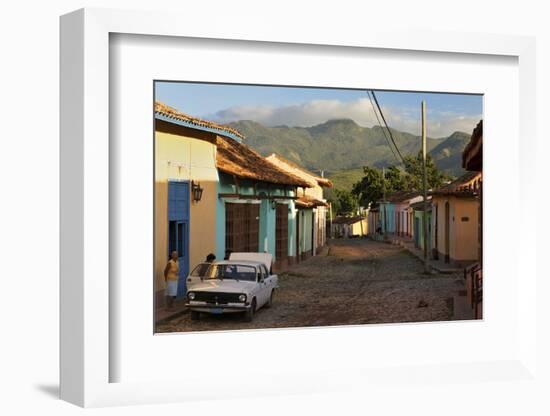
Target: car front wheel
249 314
270 300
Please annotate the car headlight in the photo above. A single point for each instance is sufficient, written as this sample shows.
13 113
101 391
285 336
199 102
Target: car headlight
191 295
242 298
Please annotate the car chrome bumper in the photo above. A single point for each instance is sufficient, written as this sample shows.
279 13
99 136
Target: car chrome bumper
208 307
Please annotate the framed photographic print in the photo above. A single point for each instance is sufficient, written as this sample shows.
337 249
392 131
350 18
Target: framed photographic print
301 203
312 210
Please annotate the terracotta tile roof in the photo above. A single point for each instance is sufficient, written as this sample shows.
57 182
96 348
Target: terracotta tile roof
300 171
232 156
240 160
402 196
466 185
306 201
172 113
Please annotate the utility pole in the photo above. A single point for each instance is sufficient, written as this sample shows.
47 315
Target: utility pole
425 191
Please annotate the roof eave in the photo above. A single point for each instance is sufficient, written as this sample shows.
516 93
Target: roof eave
191 125
257 178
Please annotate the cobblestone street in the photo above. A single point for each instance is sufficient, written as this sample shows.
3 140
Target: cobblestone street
357 281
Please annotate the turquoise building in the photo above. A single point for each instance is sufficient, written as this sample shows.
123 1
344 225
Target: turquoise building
256 209
387 216
418 225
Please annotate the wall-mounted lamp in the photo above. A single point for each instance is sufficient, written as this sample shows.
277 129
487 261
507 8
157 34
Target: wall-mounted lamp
273 204
196 191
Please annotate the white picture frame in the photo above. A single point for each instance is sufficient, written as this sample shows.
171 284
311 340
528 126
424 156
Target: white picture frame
86 336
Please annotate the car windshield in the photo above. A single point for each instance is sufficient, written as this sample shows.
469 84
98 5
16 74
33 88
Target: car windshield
200 270
232 271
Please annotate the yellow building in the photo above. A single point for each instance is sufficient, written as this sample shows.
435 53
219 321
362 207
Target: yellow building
455 219
185 191
348 227
472 160
213 194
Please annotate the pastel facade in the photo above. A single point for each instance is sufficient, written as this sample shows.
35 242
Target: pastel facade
456 221
254 216
387 217
394 216
472 161
349 227
311 206
183 155
246 202
257 206
418 225
404 215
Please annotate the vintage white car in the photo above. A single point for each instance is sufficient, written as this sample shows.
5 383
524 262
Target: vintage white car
243 283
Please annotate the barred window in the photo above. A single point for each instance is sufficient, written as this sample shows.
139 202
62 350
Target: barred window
242 227
281 235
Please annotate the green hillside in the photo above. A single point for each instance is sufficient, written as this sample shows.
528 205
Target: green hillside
340 148
447 155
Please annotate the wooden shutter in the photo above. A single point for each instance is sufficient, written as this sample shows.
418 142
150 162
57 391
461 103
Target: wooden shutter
281 235
242 227
252 227
232 227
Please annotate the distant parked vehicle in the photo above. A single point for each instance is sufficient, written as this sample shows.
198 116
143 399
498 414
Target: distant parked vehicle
244 283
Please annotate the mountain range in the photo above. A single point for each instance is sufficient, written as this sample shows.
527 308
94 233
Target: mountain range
341 145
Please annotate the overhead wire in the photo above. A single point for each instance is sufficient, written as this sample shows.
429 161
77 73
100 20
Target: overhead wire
387 127
383 131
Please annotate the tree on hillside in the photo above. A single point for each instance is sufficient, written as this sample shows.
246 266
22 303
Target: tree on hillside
413 178
371 187
346 204
394 180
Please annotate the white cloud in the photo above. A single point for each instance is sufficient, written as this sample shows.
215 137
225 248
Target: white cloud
440 124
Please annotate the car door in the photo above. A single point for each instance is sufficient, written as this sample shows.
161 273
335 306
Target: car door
268 283
197 274
272 282
261 287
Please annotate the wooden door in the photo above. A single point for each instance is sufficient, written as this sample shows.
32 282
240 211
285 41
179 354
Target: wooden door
242 227
281 233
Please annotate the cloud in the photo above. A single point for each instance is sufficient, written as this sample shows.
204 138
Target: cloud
440 123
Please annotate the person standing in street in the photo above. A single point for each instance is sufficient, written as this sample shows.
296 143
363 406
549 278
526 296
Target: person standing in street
171 275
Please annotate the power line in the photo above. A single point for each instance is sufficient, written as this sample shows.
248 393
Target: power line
389 131
383 131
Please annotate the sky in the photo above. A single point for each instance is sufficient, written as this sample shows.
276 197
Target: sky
305 107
